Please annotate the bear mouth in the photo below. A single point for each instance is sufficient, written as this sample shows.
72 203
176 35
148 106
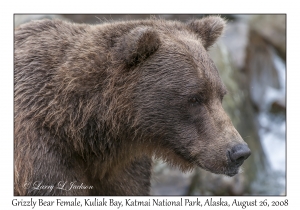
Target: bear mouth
232 171
228 170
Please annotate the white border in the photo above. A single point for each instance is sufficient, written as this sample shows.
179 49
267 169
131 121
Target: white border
8 8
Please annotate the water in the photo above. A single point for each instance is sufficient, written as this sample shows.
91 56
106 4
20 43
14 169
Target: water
272 129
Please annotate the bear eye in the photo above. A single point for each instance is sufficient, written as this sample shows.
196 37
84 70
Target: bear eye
195 100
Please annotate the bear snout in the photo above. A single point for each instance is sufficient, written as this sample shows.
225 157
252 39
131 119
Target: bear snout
238 154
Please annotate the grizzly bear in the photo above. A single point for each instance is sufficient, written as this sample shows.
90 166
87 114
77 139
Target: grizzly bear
94 103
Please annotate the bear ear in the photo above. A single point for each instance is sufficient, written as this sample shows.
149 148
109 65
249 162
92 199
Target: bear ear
208 28
137 45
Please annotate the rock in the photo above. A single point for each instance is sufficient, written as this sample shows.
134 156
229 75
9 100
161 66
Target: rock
266 72
272 28
278 107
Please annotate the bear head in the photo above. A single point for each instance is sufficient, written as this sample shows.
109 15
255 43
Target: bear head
177 99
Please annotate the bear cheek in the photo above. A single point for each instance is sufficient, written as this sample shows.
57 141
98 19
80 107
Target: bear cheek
214 158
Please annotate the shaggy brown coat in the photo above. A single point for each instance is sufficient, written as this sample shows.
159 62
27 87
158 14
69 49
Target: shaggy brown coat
93 104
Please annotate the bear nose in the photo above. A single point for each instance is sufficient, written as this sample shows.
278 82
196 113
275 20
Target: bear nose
239 153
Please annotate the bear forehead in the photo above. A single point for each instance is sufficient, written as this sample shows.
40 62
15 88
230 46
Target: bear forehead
187 44
203 68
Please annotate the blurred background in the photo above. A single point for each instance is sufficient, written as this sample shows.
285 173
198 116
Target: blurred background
251 59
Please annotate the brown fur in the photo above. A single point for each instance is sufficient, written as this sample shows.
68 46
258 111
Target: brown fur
93 104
